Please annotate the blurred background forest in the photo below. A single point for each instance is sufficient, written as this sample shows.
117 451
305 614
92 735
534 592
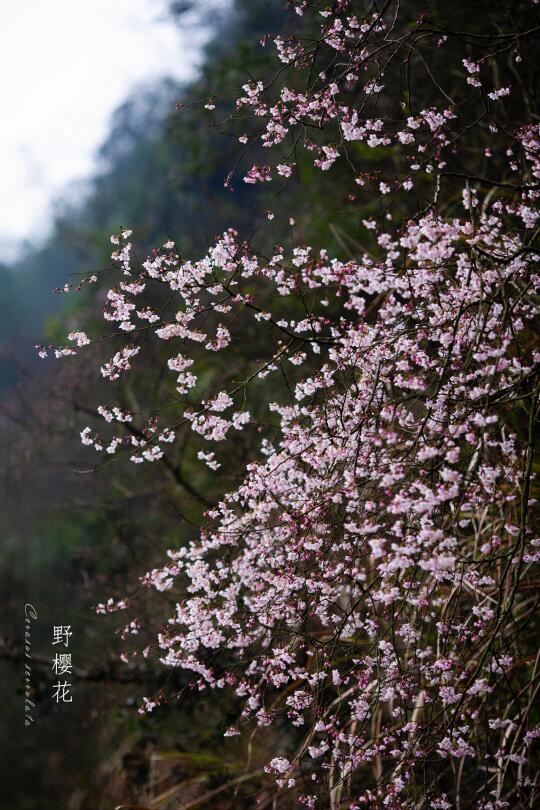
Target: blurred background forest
71 539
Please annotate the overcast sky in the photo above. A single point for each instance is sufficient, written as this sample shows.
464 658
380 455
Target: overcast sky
65 65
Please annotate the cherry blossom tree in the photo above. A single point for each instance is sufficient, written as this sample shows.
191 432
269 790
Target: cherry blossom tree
368 588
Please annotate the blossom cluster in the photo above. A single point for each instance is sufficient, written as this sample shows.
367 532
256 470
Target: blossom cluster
373 565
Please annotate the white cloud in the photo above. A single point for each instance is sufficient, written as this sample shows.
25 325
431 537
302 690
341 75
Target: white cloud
65 65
